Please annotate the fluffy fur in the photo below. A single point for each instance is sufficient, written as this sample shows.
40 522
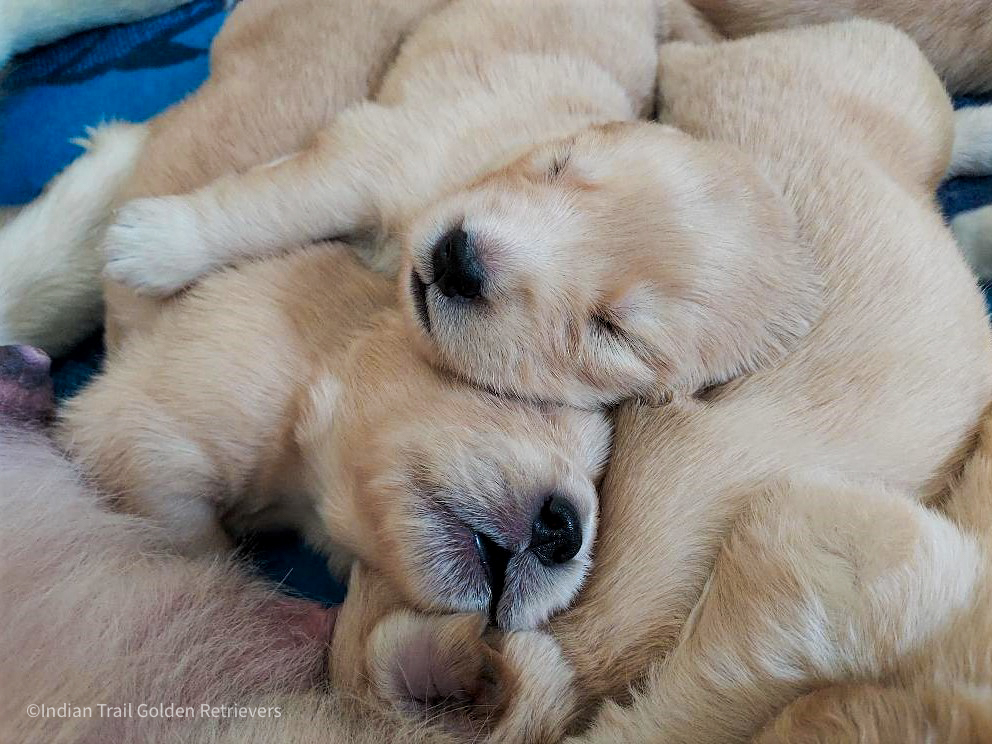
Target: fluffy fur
887 387
955 35
867 617
333 54
50 295
475 83
316 415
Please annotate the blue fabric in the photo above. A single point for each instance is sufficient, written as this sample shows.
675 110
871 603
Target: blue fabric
131 72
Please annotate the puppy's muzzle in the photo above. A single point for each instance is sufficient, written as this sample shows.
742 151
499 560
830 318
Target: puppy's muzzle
457 269
556 538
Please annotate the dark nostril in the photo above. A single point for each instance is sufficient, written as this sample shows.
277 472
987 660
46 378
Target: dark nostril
457 270
556 535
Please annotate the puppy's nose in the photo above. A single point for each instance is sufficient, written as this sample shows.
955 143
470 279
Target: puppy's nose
556 535
457 271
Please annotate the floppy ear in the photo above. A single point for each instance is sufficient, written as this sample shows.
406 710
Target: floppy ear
732 289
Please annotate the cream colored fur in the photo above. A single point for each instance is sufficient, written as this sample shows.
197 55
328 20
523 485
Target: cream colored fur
886 388
835 614
849 122
475 84
955 35
286 395
50 291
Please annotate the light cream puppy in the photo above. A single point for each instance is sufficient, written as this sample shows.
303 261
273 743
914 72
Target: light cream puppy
279 72
474 85
284 395
97 611
955 35
865 616
840 131
50 293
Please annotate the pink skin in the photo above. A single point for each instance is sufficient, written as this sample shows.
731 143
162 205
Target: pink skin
27 400
26 394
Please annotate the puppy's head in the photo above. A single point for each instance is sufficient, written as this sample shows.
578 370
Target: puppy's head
465 502
629 261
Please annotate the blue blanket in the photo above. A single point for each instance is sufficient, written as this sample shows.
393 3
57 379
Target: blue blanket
131 72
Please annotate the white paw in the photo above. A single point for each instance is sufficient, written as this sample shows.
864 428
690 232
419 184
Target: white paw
153 246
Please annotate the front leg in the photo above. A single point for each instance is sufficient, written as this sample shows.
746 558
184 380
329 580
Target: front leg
817 585
450 669
160 245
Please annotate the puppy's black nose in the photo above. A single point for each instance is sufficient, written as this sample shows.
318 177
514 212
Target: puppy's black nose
457 271
556 535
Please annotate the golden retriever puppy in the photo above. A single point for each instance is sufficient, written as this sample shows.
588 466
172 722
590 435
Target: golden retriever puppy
284 395
474 85
280 70
866 616
955 35
836 135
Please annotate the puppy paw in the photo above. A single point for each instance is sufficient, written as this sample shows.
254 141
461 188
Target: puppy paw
429 662
153 246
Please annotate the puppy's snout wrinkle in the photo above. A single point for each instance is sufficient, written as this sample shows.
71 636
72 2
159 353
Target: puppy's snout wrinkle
556 535
457 270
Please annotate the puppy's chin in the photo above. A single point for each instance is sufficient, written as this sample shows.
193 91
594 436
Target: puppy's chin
534 593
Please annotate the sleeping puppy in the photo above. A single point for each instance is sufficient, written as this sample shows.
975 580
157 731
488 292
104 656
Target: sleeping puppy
817 626
97 610
311 56
837 135
316 415
474 85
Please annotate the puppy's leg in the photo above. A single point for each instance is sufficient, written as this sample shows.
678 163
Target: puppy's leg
144 459
972 153
511 688
160 245
973 231
49 265
817 585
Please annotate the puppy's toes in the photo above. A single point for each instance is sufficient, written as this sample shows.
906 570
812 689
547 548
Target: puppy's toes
419 662
153 246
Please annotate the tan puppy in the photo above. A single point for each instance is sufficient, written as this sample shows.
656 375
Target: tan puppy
280 396
955 35
852 128
98 612
280 70
868 617
473 86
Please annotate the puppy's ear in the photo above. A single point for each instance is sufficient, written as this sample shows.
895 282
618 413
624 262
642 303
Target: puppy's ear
737 288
